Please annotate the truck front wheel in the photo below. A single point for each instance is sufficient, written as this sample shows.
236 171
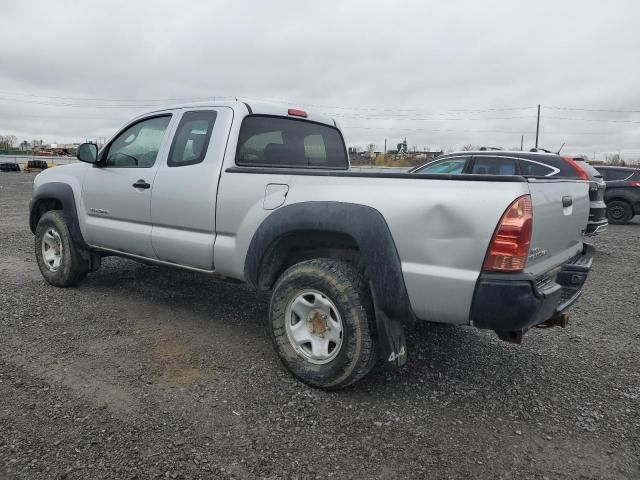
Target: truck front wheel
321 323
59 258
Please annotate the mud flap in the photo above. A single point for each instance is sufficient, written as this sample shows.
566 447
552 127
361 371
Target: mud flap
391 338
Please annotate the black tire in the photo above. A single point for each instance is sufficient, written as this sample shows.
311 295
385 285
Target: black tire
73 265
619 212
342 285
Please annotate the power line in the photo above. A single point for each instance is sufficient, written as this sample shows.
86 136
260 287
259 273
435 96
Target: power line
422 119
591 119
140 102
103 99
580 109
519 132
81 105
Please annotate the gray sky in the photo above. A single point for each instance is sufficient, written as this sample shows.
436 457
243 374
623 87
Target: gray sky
439 73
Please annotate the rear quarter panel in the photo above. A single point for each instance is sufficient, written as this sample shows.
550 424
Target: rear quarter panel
441 228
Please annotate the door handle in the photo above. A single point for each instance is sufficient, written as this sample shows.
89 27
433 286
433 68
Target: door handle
567 201
141 184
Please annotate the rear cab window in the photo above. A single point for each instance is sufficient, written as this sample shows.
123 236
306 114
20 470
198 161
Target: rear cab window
269 141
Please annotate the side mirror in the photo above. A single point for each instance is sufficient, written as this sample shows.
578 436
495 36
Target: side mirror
88 152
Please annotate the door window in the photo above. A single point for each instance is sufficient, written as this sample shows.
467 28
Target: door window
138 145
452 166
192 137
494 166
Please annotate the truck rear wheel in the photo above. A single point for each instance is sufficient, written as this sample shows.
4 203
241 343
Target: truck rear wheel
59 259
320 323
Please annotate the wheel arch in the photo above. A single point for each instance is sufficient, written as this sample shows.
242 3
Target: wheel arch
618 195
56 196
355 233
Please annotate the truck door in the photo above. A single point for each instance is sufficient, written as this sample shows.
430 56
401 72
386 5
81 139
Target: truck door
116 194
183 203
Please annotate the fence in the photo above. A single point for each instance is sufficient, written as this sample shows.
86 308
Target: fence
23 159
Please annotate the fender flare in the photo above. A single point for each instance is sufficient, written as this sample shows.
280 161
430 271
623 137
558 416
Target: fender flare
364 224
64 194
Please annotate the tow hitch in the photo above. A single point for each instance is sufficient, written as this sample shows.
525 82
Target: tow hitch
558 320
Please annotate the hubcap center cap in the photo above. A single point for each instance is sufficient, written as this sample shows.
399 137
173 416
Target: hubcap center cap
317 322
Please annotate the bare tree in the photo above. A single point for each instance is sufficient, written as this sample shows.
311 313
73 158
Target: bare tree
615 159
7 141
467 147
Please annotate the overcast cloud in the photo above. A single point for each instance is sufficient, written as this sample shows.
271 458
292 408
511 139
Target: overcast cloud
384 69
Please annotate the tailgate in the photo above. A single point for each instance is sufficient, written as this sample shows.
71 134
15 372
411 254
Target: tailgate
560 215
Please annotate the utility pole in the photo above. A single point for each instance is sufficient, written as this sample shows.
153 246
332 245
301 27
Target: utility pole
385 146
538 126
521 142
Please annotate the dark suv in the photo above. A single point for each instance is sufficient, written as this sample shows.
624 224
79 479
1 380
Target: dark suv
530 164
623 192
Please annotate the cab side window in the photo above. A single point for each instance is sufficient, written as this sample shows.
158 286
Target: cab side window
192 137
138 145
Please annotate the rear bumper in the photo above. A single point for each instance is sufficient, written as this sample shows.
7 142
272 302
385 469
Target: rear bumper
514 303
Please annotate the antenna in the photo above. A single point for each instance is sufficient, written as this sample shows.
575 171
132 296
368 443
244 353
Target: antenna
558 152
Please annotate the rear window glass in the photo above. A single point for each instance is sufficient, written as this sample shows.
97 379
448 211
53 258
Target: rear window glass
284 142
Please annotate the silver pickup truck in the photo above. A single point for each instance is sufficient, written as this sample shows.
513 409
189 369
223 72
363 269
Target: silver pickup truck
263 194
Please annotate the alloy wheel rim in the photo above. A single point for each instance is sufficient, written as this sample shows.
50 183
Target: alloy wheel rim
314 326
52 249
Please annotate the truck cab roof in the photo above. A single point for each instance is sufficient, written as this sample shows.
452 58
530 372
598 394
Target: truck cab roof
244 108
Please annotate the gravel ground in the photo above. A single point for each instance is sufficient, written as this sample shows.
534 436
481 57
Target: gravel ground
144 372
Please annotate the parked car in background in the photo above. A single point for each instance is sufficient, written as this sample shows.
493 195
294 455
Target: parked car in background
623 192
36 165
530 164
9 167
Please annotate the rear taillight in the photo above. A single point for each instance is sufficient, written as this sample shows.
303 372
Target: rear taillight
581 173
509 246
634 184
